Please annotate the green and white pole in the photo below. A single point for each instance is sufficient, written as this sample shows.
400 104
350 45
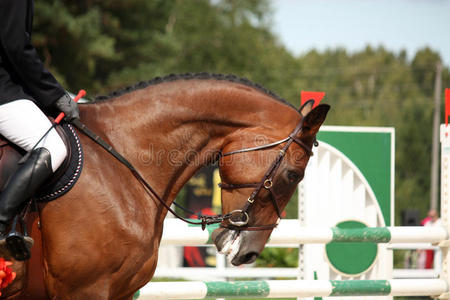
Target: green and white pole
293 288
289 232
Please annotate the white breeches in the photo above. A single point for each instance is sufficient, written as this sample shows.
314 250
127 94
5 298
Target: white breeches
23 124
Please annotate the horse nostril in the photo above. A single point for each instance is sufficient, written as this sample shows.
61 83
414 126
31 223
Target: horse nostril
250 257
247 258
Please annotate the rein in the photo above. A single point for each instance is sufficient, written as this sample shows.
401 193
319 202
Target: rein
234 217
205 220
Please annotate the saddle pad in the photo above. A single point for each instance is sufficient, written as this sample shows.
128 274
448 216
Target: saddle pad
73 171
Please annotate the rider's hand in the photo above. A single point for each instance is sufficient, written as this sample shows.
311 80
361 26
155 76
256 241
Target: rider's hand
68 107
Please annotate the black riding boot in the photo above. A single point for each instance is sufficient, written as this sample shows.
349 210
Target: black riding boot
22 185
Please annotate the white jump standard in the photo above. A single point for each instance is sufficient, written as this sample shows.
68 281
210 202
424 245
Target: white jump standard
289 232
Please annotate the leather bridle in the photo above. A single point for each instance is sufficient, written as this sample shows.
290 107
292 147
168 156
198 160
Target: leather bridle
239 219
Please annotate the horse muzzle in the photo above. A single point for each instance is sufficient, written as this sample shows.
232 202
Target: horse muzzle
241 247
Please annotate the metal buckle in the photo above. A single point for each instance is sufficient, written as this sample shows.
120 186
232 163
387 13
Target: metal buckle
268 184
239 223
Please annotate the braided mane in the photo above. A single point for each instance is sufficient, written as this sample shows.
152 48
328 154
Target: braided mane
190 76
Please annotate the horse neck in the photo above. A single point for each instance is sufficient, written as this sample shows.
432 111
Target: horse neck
170 133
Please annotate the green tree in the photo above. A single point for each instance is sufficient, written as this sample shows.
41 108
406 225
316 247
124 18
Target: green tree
84 42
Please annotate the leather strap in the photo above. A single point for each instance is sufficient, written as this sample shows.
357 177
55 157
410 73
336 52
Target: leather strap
267 180
227 186
205 220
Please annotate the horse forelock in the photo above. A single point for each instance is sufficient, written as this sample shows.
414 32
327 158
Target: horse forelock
192 76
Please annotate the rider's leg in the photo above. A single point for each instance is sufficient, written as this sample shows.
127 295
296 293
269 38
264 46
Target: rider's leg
23 123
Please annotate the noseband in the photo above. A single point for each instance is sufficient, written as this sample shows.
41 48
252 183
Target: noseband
238 219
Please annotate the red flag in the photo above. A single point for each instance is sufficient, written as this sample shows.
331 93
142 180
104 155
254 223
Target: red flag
316 96
447 106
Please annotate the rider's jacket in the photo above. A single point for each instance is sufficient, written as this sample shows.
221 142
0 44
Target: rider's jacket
22 73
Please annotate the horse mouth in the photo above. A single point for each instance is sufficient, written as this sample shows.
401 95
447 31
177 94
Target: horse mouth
247 258
230 243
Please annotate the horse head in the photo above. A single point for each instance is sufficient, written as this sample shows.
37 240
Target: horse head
260 170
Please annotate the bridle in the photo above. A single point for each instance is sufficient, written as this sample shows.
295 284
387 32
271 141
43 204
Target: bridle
239 218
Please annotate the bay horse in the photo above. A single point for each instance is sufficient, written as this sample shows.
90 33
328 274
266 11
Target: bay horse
101 239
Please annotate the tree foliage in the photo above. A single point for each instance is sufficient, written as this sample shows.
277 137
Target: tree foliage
104 45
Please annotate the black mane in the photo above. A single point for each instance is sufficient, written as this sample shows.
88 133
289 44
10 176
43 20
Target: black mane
188 76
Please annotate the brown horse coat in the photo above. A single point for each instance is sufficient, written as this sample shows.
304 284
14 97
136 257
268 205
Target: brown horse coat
100 240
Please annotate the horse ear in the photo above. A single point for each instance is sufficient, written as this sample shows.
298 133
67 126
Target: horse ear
306 107
314 119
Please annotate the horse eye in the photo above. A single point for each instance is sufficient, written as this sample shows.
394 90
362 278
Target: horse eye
294 177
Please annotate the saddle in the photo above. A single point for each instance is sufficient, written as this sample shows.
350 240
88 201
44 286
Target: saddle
60 183
62 180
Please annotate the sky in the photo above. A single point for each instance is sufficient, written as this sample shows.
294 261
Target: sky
352 24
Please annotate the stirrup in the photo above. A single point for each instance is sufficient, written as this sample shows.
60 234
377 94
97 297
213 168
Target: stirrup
18 244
